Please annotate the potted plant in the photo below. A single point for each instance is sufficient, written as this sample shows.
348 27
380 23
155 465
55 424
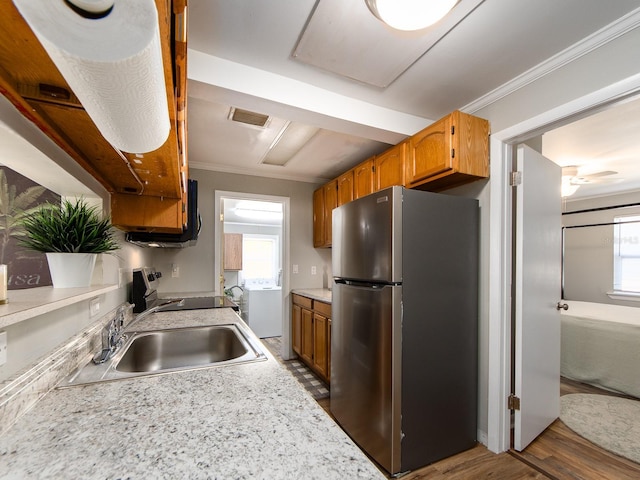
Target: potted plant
72 235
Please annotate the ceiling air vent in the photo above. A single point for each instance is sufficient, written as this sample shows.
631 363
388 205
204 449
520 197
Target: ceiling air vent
248 117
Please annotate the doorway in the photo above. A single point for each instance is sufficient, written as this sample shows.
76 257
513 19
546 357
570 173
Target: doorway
252 258
500 261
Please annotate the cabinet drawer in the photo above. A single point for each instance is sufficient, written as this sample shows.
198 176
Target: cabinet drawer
302 301
322 308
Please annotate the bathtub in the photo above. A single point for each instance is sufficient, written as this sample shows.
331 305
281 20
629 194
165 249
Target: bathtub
600 345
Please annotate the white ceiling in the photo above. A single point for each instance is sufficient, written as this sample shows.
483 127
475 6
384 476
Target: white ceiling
241 54
605 142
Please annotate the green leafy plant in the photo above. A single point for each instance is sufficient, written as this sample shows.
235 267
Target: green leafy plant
68 228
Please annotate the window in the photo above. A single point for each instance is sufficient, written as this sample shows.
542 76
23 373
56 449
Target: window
626 254
260 257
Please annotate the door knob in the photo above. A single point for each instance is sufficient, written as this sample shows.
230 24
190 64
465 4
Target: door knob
562 306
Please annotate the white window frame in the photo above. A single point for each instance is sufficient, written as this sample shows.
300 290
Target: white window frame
275 255
626 236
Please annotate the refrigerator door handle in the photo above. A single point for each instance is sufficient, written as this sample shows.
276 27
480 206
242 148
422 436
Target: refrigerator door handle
356 283
360 283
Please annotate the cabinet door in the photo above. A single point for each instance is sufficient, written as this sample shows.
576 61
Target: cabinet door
363 179
345 188
296 328
390 167
320 358
232 251
430 151
306 351
330 202
329 349
318 218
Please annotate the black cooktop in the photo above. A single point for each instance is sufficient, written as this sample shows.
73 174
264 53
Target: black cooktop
197 303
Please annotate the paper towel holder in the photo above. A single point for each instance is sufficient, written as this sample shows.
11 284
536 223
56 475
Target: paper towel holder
97 56
91 8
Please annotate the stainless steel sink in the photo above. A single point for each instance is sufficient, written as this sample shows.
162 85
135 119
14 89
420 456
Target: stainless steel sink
171 350
182 347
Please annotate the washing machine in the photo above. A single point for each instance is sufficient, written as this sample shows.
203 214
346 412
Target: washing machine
263 310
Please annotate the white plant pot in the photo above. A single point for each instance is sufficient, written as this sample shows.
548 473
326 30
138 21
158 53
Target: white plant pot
70 270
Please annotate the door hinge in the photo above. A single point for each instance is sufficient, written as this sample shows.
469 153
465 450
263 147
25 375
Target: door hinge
515 179
453 153
513 402
453 129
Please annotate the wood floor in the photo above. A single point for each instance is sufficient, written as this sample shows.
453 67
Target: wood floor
557 454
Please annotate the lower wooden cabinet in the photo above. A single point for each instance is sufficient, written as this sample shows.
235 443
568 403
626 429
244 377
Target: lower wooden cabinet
296 328
307 336
311 334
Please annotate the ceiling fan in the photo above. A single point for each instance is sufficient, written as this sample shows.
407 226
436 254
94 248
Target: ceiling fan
576 178
572 179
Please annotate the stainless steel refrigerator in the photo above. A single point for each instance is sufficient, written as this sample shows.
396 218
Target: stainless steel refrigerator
405 325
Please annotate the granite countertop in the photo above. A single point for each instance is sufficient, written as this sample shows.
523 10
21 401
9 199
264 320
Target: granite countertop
231 422
320 294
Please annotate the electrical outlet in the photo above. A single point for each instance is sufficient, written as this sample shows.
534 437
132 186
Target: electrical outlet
175 270
313 270
94 306
295 268
3 348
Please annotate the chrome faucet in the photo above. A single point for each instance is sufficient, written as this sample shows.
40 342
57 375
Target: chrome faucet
113 334
177 301
229 291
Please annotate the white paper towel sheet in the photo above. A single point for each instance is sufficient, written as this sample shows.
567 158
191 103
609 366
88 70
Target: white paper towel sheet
113 65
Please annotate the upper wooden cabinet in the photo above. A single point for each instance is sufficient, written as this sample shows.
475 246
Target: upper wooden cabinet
325 199
149 190
318 217
345 188
363 179
452 151
330 202
232 251
390 167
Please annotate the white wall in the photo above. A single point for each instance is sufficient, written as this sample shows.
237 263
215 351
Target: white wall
197 263
577 83
588 264
30 339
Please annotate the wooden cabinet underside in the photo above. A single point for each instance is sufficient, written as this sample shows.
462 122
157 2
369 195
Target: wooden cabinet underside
30 80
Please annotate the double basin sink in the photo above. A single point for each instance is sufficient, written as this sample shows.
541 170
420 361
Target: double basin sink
170 350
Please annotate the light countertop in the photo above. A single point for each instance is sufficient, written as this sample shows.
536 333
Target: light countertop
320 294
229 422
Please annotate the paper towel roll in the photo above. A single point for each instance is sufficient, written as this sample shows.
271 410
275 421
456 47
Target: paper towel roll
112 64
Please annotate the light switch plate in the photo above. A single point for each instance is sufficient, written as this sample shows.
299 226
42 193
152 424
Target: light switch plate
3 348
94 306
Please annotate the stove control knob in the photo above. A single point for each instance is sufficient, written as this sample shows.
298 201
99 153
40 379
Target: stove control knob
151 277
158 274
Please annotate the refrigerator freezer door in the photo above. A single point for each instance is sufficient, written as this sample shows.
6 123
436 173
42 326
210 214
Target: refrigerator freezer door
367 238
365 368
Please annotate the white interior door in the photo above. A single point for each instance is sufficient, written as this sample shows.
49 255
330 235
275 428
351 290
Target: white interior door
537 283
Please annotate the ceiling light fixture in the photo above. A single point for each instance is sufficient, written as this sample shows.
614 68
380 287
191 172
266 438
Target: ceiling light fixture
258 210
288 143
410 14
568 188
